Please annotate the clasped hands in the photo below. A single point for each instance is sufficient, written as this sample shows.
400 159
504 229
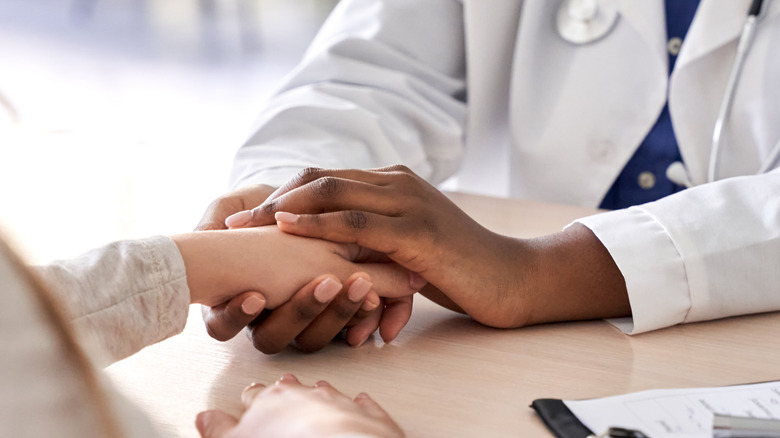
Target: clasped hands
323 308
389 214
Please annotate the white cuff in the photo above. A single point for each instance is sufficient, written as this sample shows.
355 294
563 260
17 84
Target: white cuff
651 266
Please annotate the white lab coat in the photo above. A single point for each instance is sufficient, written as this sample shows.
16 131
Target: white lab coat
487 91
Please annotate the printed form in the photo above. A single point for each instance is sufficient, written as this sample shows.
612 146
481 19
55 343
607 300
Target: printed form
678 412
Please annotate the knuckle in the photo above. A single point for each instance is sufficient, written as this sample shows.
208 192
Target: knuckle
308 174
354 219
327 187
344 312
306 313
263 342
215 333
400 168
306 345
326 391
223 201
275 389
265 345
407 178
268 208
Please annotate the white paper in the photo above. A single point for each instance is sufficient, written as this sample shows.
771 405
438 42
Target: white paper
678 412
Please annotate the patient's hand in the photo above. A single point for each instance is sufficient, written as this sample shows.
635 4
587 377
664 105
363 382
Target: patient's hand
223 264
226 205
290 409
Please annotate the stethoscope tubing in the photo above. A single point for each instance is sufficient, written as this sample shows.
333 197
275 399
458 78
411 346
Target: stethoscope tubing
743 48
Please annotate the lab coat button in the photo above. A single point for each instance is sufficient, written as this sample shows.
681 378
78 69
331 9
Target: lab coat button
646 180
673 46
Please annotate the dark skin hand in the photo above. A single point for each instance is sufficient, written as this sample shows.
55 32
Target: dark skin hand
303 322
500 281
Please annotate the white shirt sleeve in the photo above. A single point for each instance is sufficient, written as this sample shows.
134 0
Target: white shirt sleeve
122 297
705 253
368 94
43 388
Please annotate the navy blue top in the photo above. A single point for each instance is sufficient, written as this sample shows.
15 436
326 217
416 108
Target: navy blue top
659 149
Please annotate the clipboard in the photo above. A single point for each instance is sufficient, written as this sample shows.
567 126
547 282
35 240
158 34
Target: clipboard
559 419
660 413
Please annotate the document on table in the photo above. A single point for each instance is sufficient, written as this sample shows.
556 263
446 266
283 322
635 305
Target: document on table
678 412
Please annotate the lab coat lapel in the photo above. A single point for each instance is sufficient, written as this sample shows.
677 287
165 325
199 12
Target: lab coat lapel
490 55
647 18
583 107
700 75
716 23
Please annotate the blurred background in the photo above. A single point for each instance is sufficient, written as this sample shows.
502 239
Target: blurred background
120 118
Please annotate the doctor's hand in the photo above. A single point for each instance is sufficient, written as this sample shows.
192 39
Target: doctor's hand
290 409
303 322
498 280
306 322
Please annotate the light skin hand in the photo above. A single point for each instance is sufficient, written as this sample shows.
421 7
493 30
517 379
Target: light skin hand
230 203
498 280
225 320
221 265
316 322
289 409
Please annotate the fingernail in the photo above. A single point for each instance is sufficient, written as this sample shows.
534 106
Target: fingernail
325 291
247 394
358 290
416 281
239 219
284 217
252 305
371 303
287 377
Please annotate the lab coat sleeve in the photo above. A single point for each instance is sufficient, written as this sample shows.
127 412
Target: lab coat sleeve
382 83
122 297
705 253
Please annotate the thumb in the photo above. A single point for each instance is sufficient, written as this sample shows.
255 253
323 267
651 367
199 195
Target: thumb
215 424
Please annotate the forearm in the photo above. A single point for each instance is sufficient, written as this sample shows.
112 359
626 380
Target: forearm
507 283
574 278
122 297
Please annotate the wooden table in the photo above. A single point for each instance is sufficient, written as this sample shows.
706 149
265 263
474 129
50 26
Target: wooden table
447 376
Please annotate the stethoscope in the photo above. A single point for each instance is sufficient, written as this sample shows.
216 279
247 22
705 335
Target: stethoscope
587 21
